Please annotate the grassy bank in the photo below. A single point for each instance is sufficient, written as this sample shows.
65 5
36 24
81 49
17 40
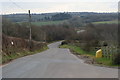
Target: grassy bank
8 58
79 51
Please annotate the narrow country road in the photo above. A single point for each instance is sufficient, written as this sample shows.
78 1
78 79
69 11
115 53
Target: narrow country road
55 63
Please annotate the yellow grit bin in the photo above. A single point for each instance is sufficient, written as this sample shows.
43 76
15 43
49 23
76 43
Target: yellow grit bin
99 53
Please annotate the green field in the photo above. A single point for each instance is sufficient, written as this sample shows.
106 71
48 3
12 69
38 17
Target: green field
106 22
47 23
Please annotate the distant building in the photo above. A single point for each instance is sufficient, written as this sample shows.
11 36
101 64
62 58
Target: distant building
80 31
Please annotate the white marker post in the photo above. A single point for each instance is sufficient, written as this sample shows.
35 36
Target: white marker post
12 43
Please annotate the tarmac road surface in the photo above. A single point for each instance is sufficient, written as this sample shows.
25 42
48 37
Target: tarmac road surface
55 63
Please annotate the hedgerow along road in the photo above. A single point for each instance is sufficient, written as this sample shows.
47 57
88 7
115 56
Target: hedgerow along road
55 63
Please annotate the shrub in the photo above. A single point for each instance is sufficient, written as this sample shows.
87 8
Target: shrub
116 59
64 42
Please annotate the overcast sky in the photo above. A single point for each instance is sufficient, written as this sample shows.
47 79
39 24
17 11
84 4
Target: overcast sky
46 6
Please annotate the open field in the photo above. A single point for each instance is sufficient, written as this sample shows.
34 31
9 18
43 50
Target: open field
106 22
47 23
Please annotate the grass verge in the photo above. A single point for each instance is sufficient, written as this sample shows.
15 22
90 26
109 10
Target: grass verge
98 61
8 58
78 50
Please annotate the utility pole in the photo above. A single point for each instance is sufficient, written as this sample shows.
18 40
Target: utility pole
30 38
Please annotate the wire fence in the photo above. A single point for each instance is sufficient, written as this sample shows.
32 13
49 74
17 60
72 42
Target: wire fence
108 51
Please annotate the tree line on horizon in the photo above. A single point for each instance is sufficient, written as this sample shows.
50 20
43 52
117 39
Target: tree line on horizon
87 16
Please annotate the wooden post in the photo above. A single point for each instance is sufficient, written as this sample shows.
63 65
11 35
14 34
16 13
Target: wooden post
30 38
